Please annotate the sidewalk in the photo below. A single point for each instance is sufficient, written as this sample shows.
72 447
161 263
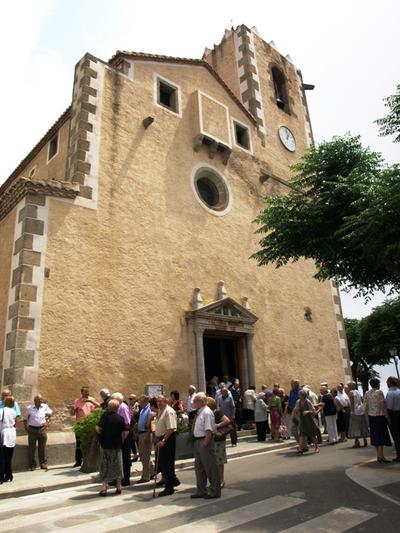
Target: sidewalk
63 476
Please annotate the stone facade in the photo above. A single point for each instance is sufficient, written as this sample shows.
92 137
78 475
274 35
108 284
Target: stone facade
109 291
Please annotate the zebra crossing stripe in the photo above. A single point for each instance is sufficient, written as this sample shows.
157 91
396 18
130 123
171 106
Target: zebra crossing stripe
337 521
239 516
88 513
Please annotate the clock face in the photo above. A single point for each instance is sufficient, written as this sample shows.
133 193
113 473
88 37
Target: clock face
287 138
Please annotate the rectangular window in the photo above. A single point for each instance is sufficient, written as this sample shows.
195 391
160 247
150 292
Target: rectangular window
242 136
167 96
53 147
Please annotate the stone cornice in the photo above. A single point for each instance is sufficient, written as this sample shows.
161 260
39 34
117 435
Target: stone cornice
22 186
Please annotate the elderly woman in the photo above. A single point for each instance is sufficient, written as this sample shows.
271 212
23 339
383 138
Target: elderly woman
305 413
261 417
358 426
375 408
111 429
328 407
221 422
275 410
8 417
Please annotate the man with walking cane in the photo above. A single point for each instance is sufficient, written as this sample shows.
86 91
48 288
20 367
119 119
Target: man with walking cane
165 433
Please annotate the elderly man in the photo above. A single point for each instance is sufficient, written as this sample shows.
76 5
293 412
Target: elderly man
393 409
145 440
124 411
106 397
226 405
191 410
205 465
237 398
81 408
166 425
36 422
4 394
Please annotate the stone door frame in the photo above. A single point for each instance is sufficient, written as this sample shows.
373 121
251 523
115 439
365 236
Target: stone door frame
240 322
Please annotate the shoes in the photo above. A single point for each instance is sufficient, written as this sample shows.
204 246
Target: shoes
212 496
356 445
103 493
176 482
44 466
118 491
383 460
196 495
7 478
32 468
365 444
166 492
125 483
76 465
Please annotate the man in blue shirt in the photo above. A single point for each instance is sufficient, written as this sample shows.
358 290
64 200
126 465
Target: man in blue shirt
145 439
294 394
226 405
393 409
4 394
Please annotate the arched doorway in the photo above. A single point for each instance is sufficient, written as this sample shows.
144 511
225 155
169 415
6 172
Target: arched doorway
222 342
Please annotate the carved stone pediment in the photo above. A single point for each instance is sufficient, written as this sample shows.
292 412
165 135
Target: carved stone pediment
226 310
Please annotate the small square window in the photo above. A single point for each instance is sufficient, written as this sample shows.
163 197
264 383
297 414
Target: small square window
242 136
53 147
168 96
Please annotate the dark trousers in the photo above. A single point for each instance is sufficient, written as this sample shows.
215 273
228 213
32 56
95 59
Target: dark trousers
126 460
6 455
238 415
78 451
233 433
395 429
38 435
261 428
166 462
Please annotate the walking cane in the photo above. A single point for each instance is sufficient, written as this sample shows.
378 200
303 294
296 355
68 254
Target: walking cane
156 472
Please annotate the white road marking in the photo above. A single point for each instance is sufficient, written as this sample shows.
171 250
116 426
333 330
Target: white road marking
239 516
337 521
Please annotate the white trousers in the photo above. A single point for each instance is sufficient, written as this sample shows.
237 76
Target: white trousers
331 428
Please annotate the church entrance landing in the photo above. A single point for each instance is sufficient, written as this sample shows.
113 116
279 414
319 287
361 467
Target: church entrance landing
222 341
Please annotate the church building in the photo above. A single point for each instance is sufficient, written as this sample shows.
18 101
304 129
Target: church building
126 233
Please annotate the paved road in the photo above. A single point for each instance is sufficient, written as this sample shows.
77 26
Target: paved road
272 492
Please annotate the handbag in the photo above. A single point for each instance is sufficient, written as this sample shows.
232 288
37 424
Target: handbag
221 433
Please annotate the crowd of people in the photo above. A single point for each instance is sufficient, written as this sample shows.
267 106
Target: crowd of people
131 430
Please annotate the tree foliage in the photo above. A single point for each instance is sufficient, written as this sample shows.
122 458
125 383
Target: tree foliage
370 338
342 212
390 125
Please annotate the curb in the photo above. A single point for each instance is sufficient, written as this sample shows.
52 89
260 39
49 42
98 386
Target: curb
92 478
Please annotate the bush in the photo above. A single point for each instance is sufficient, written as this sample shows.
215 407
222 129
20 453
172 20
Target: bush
85 429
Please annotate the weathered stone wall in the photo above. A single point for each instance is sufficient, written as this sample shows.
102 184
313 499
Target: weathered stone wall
122 276
7 228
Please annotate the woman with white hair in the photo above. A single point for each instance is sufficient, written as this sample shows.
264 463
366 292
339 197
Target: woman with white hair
111 429
261 417
358 426
305 414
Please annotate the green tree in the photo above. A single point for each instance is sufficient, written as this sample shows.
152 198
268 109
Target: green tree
390 125
342 212
370 339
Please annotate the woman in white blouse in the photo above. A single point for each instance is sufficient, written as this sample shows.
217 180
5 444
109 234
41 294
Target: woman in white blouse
8 437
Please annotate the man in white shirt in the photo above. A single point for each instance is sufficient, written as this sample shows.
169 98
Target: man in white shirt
191 409
204 453
249 401
165 433
36 422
